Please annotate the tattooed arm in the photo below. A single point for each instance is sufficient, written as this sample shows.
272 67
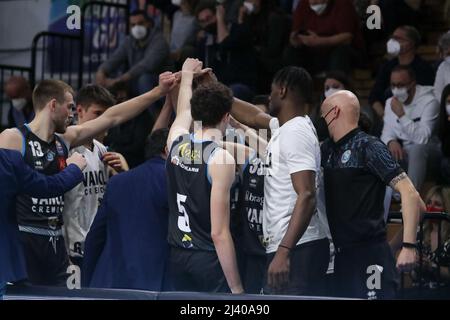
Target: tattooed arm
412 206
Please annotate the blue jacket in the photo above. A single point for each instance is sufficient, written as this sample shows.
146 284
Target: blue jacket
17 177
126 246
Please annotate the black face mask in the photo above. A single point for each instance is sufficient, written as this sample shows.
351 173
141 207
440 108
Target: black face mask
211 28
322 129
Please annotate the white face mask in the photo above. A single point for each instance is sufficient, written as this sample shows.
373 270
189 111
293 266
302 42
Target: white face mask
249 6
393 47
447 107
318 8
176 2
401 94
19 103
139 32
331 91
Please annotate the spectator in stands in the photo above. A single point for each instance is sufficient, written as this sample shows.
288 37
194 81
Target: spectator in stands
410 123
444 134
184 27
16 177
325 35
126 246
435 250
334 81
145 52
17 89
227 48
270 29
129 138
443 73
403 46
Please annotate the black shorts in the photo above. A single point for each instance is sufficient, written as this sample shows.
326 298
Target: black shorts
195 270
254 273
308 267
46 259
365 271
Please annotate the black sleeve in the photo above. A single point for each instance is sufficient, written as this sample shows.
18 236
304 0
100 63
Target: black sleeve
380 161
95 242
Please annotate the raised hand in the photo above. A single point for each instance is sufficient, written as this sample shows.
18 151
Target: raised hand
167 81
192 65
78 160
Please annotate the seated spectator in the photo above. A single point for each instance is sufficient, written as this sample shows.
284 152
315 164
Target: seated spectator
410 123
227 48
403 46
184 27
443 73
435 253
326 35
127 246
334 82
17 89
270 28
145 52
129 138
444 134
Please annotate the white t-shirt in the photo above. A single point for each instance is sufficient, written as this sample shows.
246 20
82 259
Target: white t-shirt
293 147
82 202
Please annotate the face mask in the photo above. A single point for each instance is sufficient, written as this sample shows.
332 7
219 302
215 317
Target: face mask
318 8
19 103
447 107
249 6
139 32
393 47
326 115
331 91
401 94
176 2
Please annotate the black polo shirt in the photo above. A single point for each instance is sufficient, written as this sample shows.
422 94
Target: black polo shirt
357 170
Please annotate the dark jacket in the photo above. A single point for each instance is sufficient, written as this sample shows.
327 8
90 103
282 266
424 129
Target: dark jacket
126 246
17 177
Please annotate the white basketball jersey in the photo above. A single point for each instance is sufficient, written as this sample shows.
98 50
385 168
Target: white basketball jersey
82 202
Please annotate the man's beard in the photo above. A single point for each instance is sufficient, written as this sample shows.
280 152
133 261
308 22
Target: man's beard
61 127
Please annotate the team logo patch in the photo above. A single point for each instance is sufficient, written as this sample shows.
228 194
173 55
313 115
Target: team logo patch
50 156
346 156
187 242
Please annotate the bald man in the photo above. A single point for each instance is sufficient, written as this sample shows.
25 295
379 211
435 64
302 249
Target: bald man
357 168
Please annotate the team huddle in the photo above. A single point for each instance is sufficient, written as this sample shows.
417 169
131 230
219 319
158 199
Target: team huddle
248 212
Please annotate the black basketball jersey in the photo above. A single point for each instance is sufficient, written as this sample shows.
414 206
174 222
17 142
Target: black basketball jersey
252 201
47 158
190 193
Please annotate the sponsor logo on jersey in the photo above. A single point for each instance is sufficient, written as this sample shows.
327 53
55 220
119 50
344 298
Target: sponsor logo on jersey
50 156
187 241
346 156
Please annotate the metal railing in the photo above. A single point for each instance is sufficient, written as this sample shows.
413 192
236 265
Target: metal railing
396 217
54 55
103 27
